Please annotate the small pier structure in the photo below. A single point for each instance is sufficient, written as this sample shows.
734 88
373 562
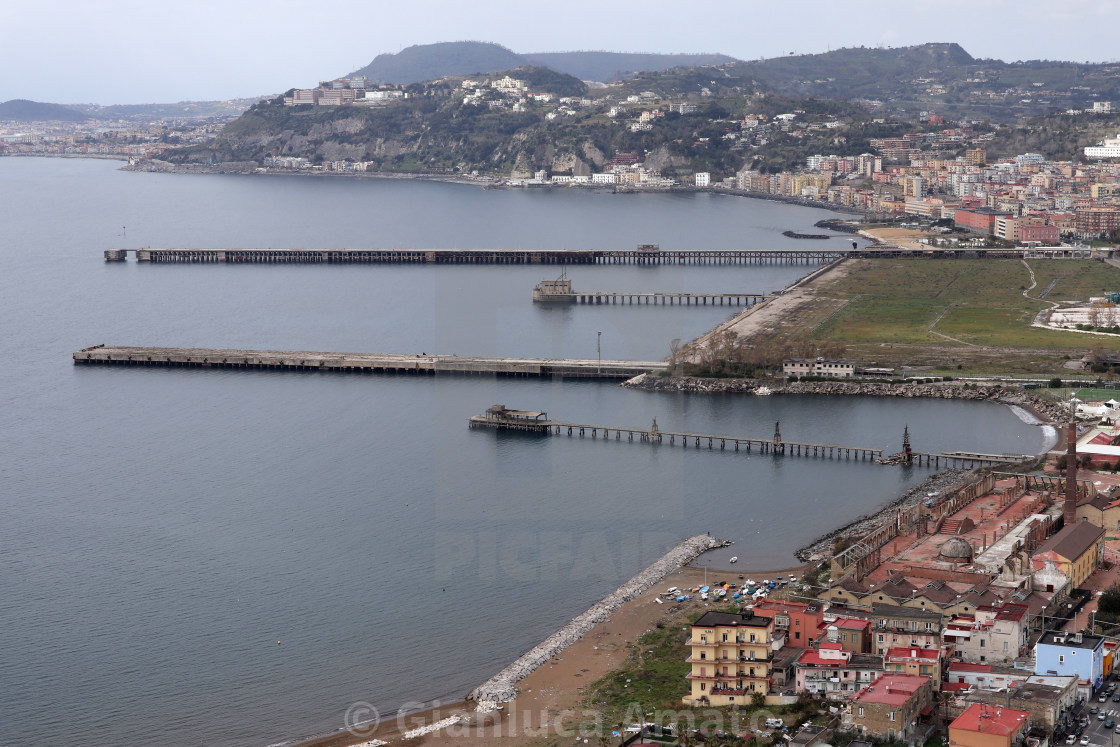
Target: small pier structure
501 418
657 436
561 292
417 364
909 457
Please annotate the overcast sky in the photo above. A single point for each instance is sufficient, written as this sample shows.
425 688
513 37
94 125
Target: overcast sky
149 51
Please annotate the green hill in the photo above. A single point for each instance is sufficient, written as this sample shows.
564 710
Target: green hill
431 61
22 110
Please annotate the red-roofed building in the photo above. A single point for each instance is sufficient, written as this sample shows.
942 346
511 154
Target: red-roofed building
914 660
895 706
988 726
834 672
802 623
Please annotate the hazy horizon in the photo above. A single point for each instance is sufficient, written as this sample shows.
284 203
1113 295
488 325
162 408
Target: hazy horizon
127 52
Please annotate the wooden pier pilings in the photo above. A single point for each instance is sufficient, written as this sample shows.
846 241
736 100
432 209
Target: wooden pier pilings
363 363
481 256
653 299
654 435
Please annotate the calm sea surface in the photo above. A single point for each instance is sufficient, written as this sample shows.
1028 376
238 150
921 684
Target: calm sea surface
162 530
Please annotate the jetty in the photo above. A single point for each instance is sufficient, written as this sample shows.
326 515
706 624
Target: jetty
561 292
418 364
909 457
499 418
640 255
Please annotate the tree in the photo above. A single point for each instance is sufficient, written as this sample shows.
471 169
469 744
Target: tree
1109 602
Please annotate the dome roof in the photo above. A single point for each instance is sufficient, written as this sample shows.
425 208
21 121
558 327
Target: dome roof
956 548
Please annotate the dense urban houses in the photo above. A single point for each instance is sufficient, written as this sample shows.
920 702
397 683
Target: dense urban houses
989 726
894 707
835 673
731 656
995 634
894 626
914 660
1049 700
1065 654
801 623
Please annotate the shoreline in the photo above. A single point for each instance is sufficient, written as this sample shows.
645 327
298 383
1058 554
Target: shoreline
487 182
552 697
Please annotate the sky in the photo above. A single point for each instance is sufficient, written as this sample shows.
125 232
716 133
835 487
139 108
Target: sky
148 51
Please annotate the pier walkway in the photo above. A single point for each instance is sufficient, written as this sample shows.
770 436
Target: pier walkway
966 459
366 363
683 299
500 418
480 256
638 256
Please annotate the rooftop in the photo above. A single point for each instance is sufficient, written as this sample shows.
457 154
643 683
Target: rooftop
1070 640
988 719
725 619
1072 541
891 689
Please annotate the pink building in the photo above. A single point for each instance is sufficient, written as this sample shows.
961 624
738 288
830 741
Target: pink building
835 673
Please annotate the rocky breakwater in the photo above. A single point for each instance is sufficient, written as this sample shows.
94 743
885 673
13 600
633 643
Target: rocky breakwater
502 687
1044 409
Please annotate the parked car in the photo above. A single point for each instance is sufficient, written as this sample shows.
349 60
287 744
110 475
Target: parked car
1085 741
1071 739
1101 716
1109 724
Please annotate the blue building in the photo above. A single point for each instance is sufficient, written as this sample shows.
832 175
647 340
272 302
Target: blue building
1077 654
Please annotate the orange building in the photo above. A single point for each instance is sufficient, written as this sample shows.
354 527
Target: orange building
988 726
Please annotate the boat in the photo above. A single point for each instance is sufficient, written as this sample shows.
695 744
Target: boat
734 559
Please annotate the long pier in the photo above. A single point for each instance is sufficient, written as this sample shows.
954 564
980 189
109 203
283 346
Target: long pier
479 256
566 256
682 299
654 435
421 364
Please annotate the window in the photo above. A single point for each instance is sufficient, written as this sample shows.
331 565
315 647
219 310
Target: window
797 636
703 654
1061 659
861 710
890 716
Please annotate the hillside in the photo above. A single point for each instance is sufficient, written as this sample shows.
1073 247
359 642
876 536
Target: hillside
423 62
443 128
611 66
22 110
941 78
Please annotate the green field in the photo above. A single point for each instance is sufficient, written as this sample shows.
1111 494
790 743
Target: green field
957 312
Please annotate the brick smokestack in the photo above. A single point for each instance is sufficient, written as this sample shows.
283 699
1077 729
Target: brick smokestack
1070 507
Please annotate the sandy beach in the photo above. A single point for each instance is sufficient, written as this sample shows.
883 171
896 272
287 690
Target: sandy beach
551 700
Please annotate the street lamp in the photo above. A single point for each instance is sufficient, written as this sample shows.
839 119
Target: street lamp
599 352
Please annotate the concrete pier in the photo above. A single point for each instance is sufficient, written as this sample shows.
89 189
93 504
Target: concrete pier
365 363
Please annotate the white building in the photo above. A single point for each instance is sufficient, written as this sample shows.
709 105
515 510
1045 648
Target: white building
703 179
826 367
1107 148
605 178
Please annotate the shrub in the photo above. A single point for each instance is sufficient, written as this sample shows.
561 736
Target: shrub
1055 383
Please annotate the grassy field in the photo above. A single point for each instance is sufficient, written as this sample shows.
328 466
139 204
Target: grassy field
954 312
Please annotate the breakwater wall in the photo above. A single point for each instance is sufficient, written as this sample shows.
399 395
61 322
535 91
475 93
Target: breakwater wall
502 687
1045 409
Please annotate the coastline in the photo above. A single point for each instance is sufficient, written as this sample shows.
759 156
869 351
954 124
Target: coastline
552 699
1045 411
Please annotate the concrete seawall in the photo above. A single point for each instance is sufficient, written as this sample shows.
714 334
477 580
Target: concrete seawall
502 687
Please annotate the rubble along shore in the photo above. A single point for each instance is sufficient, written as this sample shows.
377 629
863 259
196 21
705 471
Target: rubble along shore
502 687
1044 409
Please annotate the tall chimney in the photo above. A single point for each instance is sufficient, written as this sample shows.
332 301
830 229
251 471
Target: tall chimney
1070 508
